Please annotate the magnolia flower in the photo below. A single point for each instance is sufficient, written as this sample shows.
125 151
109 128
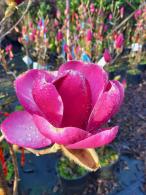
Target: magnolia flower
68 108
110 16
89 35
9 51
137 14
122 9
59 36
92 8
107 56
119 41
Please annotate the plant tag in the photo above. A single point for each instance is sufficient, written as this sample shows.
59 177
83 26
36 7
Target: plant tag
27 60
136 47
102 62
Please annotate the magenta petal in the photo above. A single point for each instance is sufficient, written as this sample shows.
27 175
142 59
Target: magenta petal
48 100
103 137
67 135
95 75
75 93
20 129
23 86
121 90
105 107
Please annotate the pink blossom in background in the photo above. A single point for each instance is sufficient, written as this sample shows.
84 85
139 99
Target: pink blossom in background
119 41
89 35
107 56
137 14
9 48
66 48
110 17
92 8
70 57
69 107
59 36
122 10
56 23
40 23
9 51
32 37
45 30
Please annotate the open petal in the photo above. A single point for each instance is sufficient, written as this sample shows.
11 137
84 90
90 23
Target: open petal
63 136
105 107
48 100
95 75
101 138
76 96
121 90
86 158
23 86
20 129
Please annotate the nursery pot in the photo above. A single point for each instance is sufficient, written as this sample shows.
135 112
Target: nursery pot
133 78
73 185
142 66
106 170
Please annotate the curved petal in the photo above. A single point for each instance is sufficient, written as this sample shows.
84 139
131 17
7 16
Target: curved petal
105 107
121 90
75 93
48 100
103 137
95 75
20 129
23 87
63 136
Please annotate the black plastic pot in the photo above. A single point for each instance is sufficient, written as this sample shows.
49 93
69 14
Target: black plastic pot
105 171
133 78
141 67
73 186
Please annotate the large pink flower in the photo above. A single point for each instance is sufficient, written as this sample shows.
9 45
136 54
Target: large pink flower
68 107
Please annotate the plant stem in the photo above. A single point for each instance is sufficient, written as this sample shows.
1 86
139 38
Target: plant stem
16 177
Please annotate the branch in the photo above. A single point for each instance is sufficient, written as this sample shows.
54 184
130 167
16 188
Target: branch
116 57
16 177
50 150
126 19
14 26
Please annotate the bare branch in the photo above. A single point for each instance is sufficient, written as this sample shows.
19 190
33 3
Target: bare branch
14 26
16 177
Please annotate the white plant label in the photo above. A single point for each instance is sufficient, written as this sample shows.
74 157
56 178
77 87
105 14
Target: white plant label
27 60
102 62
136 47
